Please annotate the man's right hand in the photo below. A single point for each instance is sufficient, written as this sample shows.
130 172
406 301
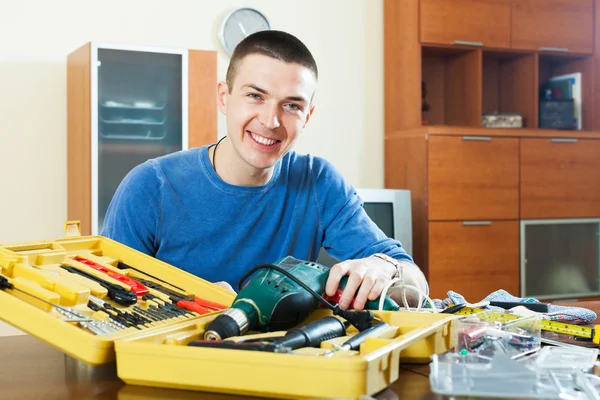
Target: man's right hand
225 285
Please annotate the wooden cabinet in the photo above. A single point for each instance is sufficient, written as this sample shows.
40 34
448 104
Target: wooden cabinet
473 259
473 177
560 178
126 104
471 22
559 25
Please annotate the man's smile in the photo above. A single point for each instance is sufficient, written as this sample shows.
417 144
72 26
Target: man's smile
263 141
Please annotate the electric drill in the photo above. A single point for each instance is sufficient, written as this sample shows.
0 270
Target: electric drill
272 301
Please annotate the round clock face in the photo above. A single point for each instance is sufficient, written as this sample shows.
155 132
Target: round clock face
240 23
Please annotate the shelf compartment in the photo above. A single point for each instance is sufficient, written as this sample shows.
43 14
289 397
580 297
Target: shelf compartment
510 84
452 85
551 65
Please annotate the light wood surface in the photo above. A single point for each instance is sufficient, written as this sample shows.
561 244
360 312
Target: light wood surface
560 180
463 89
448 130
202 94
484 21
31 369
406 167
553 23
402 89
510 85
473 260
473 179
79 192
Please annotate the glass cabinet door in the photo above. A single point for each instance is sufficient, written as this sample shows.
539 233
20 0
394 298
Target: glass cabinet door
141 113
560 258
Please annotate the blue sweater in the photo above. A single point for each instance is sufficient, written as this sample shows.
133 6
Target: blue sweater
177 209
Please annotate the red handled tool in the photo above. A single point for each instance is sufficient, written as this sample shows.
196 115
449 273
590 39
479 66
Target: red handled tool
138 288
189 302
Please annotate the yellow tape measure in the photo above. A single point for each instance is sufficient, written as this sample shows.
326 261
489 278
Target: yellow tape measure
554 326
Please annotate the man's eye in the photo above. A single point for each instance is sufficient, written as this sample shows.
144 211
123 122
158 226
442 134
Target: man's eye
293 107
254 96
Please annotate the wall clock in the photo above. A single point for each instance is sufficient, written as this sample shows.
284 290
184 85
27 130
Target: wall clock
240 23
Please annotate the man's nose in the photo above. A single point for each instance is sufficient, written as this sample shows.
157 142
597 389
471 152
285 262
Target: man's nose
269 116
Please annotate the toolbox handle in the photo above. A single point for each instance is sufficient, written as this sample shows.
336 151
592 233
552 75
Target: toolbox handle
72 228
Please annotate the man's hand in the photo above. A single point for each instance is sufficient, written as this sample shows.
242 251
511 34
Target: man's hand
370 274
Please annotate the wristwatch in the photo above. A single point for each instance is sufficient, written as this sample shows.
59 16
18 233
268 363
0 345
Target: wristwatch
392 261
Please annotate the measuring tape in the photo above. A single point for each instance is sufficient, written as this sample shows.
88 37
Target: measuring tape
553 326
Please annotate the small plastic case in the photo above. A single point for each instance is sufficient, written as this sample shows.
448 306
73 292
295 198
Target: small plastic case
491 331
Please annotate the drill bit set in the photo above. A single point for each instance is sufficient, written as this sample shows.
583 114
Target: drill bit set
95 291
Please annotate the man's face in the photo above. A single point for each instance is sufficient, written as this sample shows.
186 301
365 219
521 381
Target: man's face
267 108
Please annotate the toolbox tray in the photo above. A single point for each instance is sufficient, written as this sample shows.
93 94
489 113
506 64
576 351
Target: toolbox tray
158 355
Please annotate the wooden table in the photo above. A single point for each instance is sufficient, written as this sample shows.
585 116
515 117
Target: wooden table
31 369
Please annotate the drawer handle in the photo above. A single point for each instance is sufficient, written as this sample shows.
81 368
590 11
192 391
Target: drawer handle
477 223
480 138
564 140
557 49
467 43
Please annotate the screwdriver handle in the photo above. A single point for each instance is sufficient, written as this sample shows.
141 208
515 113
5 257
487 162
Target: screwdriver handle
192 306
312 334
355 341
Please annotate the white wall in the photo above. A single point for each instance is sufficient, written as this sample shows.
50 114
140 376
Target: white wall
345 36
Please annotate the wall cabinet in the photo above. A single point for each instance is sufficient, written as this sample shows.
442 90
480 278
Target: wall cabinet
559 178
553 25
473 178
125 105
473 258
467 22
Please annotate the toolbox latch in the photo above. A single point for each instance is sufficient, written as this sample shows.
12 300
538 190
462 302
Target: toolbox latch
72 228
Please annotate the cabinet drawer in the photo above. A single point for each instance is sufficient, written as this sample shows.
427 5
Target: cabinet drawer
473 260
565 25
473 178
479 22
560 178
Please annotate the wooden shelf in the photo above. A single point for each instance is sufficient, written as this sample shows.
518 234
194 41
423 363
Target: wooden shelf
448 130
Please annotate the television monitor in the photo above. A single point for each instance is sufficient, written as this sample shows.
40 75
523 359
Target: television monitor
390 210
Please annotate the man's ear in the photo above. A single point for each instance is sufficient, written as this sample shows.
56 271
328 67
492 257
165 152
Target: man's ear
222 92
308 115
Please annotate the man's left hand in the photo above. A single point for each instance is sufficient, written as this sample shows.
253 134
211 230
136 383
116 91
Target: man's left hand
370 274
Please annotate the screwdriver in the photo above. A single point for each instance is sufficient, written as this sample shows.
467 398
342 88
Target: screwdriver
309 335
355 341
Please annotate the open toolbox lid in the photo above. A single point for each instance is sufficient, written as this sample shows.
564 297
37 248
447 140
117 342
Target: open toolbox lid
156 352
46 269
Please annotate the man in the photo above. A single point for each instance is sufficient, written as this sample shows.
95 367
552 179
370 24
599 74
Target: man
219 210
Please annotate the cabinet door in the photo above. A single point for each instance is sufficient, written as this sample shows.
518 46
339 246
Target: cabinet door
140 102
473 178
561 25
478 22
560 178
473 260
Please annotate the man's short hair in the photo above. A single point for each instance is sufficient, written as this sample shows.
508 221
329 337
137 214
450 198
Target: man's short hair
275 44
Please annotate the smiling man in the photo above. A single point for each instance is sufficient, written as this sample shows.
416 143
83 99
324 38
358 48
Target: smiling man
219 210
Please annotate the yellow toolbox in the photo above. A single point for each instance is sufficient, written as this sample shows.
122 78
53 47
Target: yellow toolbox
99 301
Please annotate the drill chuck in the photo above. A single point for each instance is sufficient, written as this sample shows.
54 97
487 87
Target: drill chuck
232 322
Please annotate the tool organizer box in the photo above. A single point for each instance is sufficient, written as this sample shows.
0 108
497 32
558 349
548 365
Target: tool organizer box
149 339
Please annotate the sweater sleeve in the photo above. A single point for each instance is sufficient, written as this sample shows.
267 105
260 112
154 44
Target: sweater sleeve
348 232
133 215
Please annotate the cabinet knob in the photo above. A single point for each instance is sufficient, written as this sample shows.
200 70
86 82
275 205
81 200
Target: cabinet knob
467 43
556 49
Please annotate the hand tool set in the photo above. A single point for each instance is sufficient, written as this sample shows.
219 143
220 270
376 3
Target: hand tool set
280 336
